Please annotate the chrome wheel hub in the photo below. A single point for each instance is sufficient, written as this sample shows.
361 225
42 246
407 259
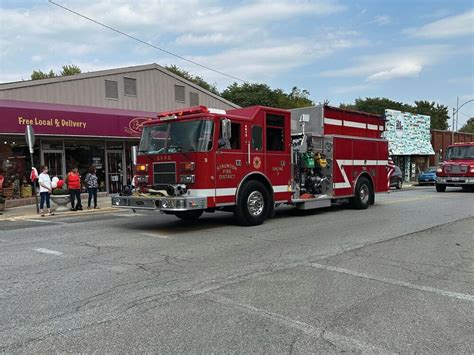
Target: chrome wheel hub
364 193
255 203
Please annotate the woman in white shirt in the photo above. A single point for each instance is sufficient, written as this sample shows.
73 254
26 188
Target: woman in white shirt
45 190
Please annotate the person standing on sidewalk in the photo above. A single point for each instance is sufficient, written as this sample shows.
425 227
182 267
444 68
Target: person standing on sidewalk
74 186
92 185
46 188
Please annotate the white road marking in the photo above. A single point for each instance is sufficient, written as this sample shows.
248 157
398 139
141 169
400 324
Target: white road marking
341 341
128 214
461 296
45 221
155 235
48 251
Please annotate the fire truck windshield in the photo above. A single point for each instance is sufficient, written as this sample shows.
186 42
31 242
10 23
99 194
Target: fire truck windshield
177 136
460 152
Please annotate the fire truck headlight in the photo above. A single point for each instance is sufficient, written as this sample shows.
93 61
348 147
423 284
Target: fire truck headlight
180 204
187 179
439 170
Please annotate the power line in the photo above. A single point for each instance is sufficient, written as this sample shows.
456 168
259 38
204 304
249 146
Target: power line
146 43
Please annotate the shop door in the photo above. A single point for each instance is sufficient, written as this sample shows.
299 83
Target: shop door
54 160
115 172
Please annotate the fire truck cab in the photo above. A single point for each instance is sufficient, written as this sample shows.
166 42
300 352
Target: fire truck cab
458 167
250 160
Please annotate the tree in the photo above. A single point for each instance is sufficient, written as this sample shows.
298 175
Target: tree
249 94
38 74
65 71
70 70
378 105
193 78
468 127
438 113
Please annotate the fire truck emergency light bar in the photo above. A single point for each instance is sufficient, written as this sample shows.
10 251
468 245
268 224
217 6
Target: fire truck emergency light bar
189 111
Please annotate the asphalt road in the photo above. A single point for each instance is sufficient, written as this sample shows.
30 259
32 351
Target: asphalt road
398 277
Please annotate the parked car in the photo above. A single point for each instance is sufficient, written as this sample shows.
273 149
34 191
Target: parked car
396 178
427 177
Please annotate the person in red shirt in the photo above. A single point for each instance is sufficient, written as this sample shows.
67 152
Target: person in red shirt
74 186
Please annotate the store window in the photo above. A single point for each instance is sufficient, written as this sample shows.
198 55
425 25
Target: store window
84 154
179 93
111 89
130 86
15 167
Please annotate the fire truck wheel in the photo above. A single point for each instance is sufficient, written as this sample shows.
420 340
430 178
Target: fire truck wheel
363 194
440 187
253 204
189 215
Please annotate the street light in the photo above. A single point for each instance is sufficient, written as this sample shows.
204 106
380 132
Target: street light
456 112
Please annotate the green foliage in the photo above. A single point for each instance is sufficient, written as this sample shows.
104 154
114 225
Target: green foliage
60 192
2 199
38 74
468 127
438 113
65 71
70 70
193 78
248 94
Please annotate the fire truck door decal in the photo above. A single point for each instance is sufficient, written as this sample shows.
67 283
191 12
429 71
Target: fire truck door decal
341 163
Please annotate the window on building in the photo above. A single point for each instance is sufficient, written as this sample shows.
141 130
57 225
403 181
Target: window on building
193 99
275 132
179 93
111 89
130 86
257 141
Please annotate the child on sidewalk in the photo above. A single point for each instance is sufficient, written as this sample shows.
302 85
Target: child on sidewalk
45 190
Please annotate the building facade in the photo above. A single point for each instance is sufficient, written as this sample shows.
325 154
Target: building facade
144 88
409 142
87 119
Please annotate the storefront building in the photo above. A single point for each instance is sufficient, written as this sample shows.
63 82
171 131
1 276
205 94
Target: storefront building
409 142
67 136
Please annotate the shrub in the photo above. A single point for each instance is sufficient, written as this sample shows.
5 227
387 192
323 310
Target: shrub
60 192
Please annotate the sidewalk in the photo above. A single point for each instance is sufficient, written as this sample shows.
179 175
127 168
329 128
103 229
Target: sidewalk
28 212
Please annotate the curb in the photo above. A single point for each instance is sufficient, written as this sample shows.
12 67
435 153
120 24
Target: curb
59 215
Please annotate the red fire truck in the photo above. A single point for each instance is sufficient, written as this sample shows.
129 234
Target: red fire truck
458 167
250 160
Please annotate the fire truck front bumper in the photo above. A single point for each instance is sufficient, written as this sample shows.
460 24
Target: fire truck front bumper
455 180
165 204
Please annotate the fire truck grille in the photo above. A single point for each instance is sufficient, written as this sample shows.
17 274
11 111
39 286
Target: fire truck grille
164 173
456 169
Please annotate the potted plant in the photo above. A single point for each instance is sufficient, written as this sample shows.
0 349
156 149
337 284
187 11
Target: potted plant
61 198
2 203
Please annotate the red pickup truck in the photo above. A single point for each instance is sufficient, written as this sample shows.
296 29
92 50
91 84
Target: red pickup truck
458 168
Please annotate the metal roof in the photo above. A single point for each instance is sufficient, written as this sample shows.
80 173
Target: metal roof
94 74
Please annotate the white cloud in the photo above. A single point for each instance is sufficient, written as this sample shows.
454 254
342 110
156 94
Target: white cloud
260 63
46 31
452 26
382 20
405 69
403 62
349 89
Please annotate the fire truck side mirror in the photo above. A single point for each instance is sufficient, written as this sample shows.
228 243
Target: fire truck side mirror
226 132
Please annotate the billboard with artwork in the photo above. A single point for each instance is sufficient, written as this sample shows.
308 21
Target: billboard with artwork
407 133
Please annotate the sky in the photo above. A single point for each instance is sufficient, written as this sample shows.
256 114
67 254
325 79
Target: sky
338 50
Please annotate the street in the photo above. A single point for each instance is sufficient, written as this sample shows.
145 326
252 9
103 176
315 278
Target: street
398 277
